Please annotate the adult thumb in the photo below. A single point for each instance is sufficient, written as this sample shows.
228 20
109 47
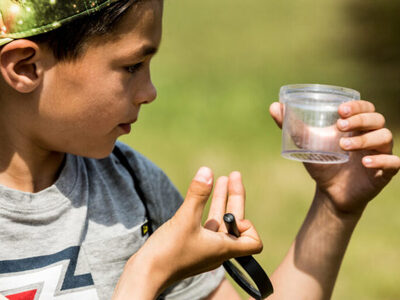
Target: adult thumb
199 191
276 111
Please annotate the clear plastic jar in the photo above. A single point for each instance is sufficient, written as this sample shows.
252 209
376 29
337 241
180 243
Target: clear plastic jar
309 131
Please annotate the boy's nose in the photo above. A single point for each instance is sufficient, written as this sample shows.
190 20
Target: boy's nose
147 94
152 93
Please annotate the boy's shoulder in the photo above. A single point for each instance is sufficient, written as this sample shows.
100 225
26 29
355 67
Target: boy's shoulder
138 162
161 197
118 166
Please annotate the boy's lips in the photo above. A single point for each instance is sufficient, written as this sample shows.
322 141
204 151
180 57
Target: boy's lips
126 127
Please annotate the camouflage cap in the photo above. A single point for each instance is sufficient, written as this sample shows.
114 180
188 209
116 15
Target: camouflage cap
24 18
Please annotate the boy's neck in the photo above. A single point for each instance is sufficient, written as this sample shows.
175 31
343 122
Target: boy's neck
29 170
25 165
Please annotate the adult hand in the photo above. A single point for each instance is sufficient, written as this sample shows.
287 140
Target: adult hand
182 247
350 186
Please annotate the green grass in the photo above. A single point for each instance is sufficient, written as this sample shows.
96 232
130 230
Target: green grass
220 66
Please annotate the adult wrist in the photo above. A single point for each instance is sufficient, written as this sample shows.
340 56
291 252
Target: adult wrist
327 202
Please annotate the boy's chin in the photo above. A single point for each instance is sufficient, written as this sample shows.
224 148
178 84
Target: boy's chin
99 152
99 156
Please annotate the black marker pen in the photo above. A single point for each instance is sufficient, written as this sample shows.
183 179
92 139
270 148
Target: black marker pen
230 224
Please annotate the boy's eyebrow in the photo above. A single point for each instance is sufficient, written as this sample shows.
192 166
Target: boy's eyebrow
143 51
149 50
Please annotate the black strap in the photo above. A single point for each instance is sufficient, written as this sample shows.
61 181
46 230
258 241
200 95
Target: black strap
136 183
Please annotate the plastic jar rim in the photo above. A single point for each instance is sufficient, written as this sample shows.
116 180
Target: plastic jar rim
318 88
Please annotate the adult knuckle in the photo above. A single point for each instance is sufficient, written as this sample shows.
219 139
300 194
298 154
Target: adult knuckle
387 135
371 106
382 119
353 121
361 121
397 162
366 106
360 141
357 106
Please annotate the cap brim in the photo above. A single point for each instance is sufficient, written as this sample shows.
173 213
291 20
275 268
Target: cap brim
5 41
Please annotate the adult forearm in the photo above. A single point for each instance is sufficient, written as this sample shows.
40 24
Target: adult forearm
310 268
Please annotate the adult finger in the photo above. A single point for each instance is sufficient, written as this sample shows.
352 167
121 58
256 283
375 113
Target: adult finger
362 122
236 196
276 111
218 204
198 193
390 164
380 140
351 108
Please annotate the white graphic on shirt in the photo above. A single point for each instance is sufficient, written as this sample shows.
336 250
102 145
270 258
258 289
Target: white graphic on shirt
50 279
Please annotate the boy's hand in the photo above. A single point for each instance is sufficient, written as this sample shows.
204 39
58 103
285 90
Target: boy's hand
182 247
350 186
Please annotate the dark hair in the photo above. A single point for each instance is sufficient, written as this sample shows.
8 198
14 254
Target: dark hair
68 41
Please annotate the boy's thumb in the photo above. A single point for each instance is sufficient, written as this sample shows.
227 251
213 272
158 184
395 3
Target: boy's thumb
199 191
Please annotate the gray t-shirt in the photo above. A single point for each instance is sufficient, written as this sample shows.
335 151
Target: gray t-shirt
72 240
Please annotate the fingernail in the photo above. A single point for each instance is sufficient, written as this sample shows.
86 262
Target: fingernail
235 174
367 160
346 142
346 110
204 175
343 123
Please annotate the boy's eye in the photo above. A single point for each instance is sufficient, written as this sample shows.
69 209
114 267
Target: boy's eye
134 68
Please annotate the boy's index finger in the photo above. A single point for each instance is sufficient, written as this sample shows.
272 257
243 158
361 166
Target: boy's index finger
355 107
236 196
218 204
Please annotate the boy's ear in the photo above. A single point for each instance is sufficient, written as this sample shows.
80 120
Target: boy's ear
20 65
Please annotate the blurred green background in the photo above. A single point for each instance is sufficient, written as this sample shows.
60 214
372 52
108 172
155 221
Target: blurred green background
220 66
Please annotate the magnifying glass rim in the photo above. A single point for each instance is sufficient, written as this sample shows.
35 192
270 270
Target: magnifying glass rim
255 272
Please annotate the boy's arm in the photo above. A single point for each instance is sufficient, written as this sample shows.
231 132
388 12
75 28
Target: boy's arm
310 268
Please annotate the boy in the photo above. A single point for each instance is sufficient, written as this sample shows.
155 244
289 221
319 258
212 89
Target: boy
68 223
74 75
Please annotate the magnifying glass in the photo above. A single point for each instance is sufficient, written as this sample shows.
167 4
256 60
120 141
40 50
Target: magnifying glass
259 287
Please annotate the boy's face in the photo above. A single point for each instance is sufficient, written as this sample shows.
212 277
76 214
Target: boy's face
85 105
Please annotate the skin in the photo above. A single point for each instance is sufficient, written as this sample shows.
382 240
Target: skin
310 268
343 191
50 108
371 165
198 248
79 107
